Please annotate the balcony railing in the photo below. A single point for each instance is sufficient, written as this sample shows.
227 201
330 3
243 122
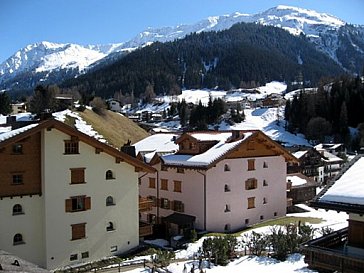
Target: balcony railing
330 252
145 204
145 229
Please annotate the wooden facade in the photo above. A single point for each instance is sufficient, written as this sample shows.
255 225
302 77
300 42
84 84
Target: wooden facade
20 167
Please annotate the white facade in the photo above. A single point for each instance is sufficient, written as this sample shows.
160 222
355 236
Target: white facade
45 225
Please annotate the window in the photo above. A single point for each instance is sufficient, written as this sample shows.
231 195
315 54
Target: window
164 168
180 170
226 168
227 227
227 208
151 182
78 203
251 164
261 217
152 218
17 148
246 221
154 199
193 145
251 202
84 255
17 179
109 175
110 226
265 183
164 184
264 200
77 175
73 257
113 248
17 209
177 186
275 213
251 184
78 231
18 239
265 165
71 146
226 188
178 206
110 201
165 203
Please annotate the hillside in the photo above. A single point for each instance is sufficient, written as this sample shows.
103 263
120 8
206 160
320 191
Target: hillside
113 128
232 58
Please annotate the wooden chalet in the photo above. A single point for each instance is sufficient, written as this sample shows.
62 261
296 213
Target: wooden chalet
343 250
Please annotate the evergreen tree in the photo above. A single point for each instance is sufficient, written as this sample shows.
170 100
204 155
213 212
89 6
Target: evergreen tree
5 104
43 100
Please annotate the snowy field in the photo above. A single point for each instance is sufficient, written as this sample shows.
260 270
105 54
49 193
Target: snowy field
294 264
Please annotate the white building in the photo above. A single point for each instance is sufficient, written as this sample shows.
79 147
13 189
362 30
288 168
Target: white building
65 197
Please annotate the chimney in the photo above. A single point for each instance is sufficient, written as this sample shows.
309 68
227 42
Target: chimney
128 149
236 134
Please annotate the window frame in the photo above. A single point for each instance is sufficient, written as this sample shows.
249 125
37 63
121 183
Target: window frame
109 175
17 149
251 202
71 146
164 184
78 231
17 179
177 185
251 164
18 239
110 201
77 176
152 183
251 184
110 226
18 212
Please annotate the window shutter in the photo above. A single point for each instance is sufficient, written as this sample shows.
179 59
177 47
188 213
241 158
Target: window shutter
68 205
168 204
172 205
182 207
87 203
158 202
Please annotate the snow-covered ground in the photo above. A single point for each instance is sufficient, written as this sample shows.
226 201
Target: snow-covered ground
294 263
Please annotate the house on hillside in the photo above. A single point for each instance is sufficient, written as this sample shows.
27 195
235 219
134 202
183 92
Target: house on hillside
300 188
19 107
213 181
65 197
342 250
114 105
333 148
310 164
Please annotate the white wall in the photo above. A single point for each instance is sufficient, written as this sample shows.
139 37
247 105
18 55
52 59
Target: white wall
29 224
237 198
57 188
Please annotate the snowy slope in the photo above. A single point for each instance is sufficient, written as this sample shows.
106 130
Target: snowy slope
320 28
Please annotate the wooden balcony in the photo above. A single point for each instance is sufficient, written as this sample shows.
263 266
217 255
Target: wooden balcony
145 229
331 252
145 204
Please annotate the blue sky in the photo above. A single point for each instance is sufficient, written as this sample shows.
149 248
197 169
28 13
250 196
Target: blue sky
23 22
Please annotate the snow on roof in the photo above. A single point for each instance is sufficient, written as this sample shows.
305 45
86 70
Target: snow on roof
10 134
205 158
299 154
296 181
349 188
330 157
157 143
328 146
211 136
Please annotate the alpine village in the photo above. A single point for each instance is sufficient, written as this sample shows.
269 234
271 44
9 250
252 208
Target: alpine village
235 146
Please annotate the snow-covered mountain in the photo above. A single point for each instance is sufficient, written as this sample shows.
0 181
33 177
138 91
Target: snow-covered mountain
329 34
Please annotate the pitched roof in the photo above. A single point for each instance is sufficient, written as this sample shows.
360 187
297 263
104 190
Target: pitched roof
346 193
18 134
220 150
